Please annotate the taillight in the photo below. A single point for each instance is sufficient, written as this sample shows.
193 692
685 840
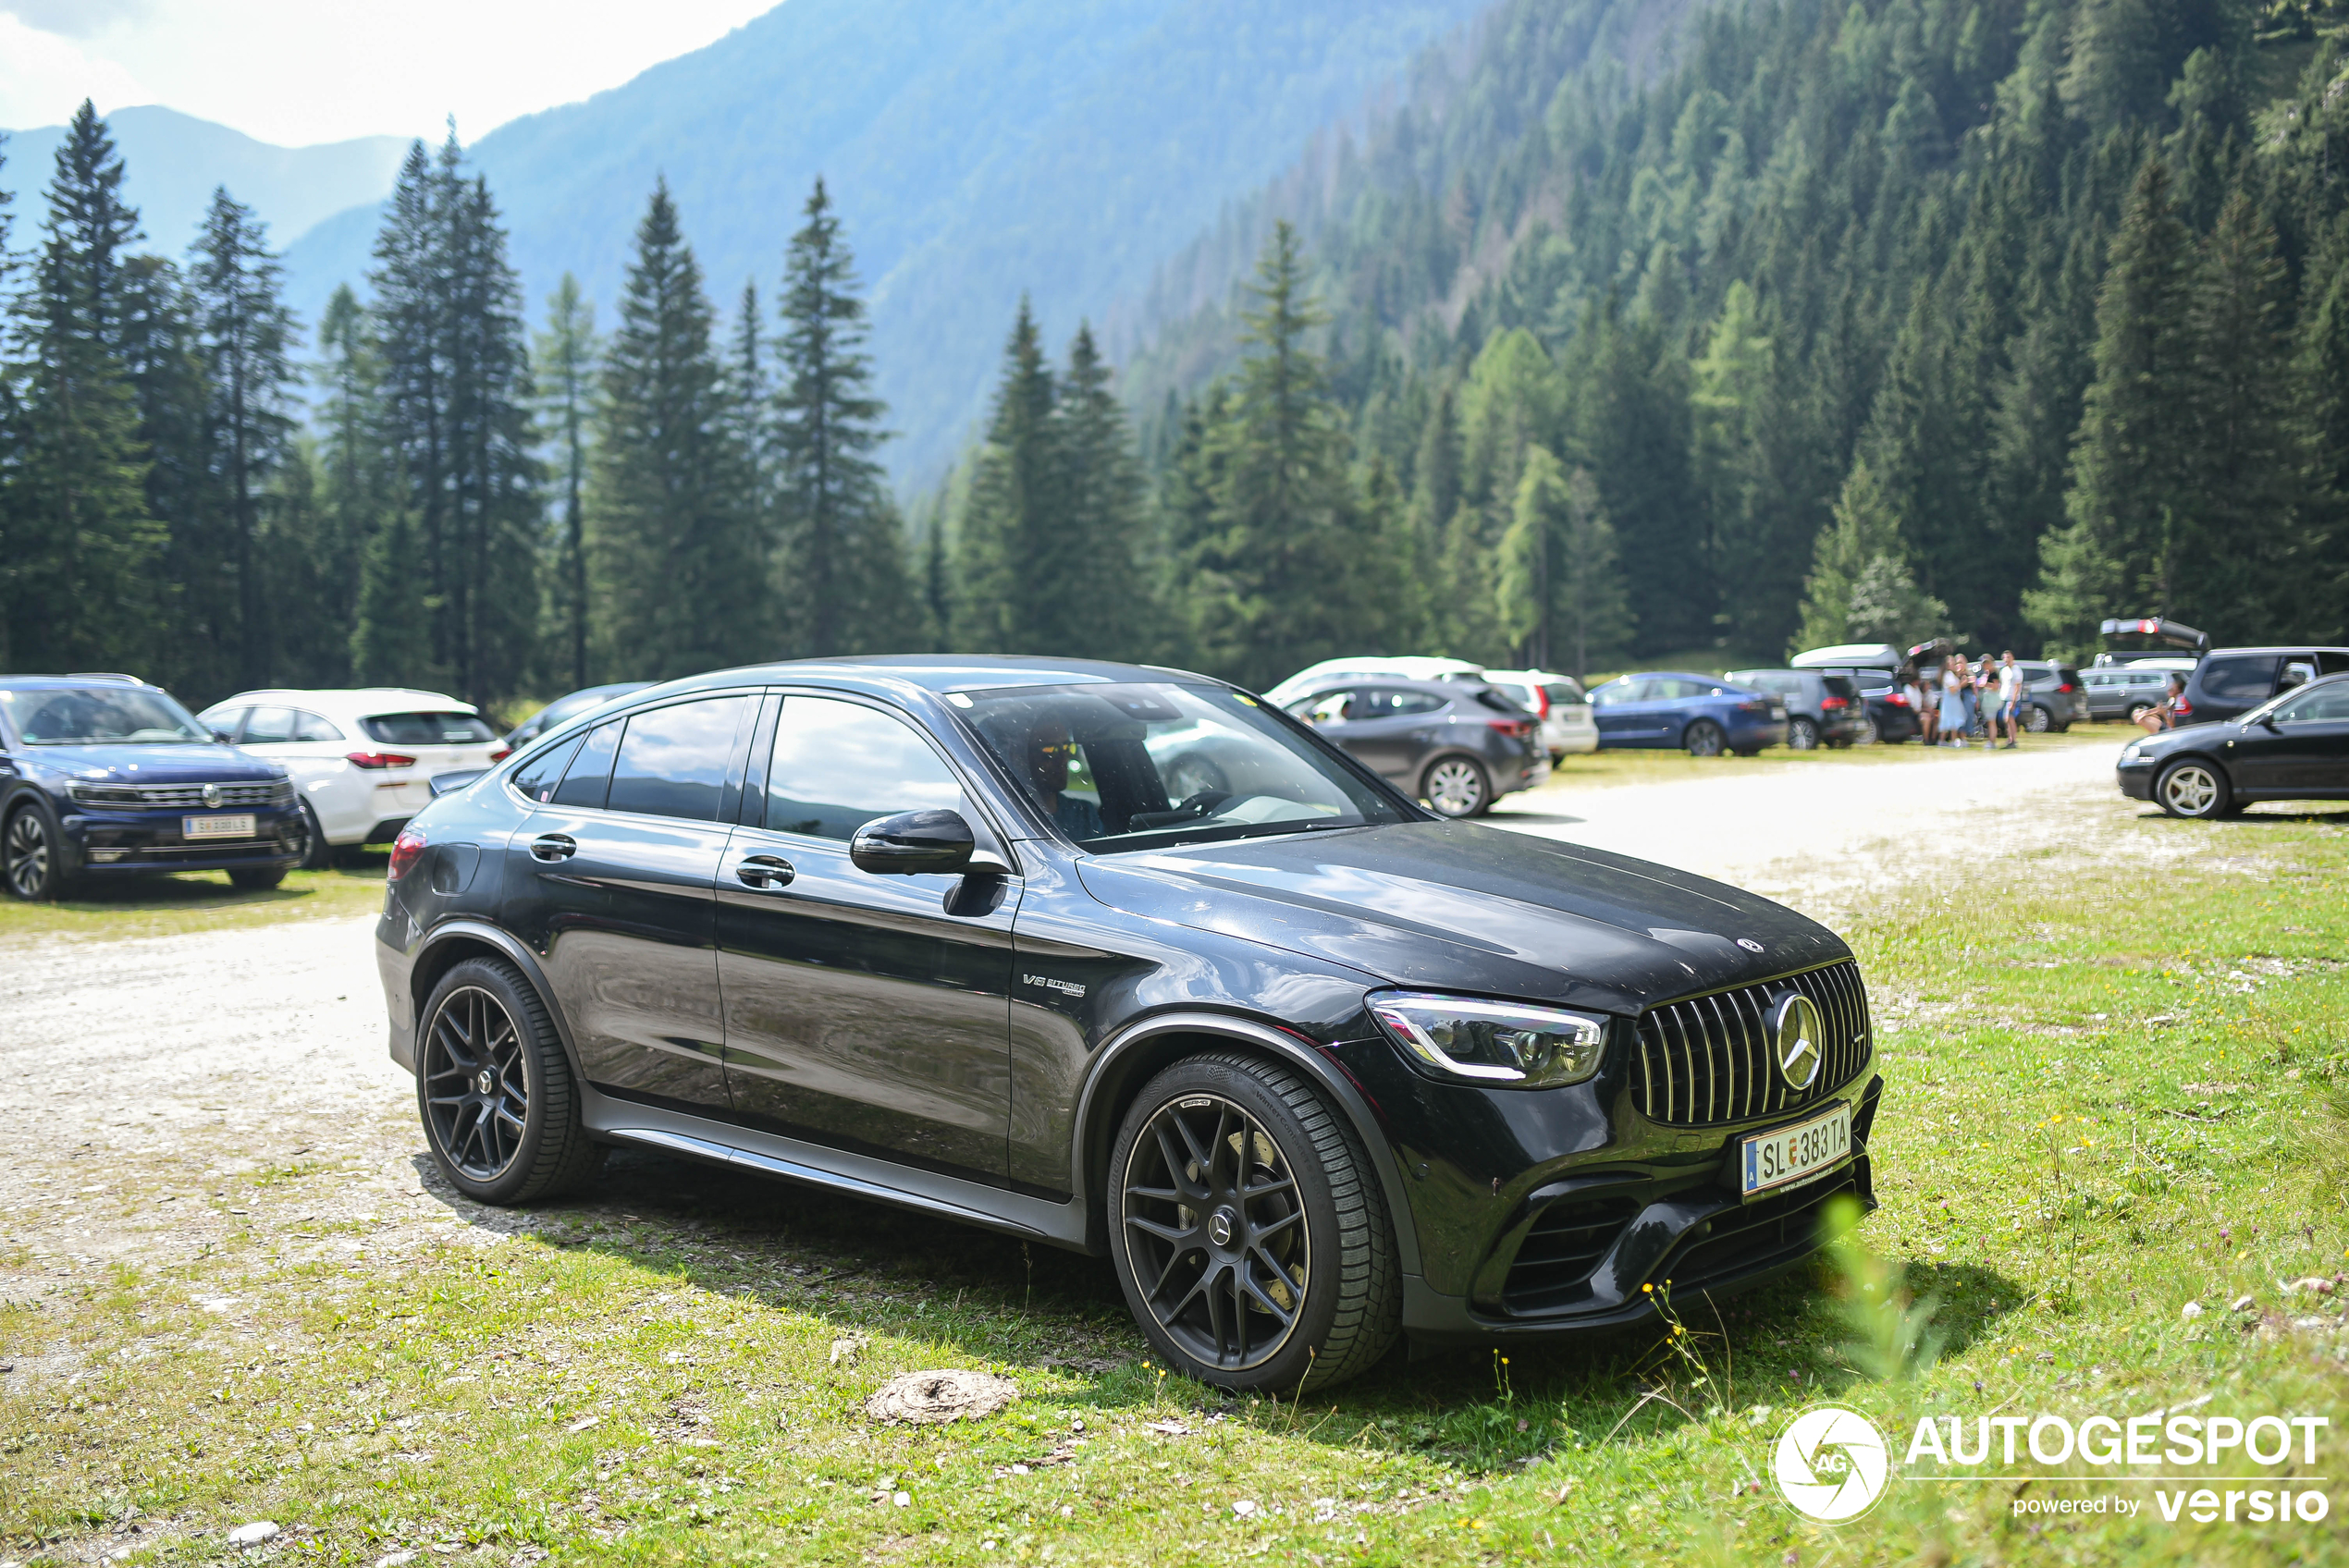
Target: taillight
404 850
1831 702
1517 727
501 752
2066 687
381 759
1754 708
1540 702
1897 699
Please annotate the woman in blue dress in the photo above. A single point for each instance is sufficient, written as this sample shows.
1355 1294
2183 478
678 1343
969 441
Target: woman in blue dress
1953 713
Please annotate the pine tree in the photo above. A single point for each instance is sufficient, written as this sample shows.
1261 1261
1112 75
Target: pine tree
83 546
2323 377
1861 588
242 332
1010 547
677 568
1284 574
567 360
844 568
354 487
1108 576
2117 553
1560 593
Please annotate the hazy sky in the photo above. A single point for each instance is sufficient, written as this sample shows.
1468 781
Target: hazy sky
298 71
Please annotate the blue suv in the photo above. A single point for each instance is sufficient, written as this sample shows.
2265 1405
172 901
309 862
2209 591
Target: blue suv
106 776
1673 709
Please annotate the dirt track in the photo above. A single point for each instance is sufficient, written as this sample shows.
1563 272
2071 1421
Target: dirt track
149 1069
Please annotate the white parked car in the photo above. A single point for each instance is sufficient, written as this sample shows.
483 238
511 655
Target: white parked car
1408 667
364 760
1558 702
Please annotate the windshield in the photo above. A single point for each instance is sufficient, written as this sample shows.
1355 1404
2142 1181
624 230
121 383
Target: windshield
113 716
1151 765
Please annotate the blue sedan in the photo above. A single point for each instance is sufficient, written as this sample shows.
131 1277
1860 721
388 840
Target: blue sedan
1672 709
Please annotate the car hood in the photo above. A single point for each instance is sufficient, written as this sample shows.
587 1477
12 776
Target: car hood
1462 907
196 763
2198 736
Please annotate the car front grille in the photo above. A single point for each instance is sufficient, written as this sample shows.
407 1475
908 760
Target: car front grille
189 797
1558 1254
1706 1059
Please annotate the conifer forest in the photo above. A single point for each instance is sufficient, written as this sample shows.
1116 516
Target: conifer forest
1830 321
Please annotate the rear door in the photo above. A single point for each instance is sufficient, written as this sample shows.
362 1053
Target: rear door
869 1012
1622 712
1393 727
316 752
614 880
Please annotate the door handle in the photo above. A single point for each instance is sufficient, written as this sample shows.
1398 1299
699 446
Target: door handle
767 871
553 847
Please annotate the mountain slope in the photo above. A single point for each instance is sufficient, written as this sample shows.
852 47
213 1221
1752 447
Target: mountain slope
172 161
975 152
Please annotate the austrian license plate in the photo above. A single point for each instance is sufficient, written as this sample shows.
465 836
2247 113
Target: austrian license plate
236 825
1794 1154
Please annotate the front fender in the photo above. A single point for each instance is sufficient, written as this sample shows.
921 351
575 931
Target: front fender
1089 1157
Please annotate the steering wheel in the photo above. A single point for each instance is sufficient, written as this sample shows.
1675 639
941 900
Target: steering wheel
1204 803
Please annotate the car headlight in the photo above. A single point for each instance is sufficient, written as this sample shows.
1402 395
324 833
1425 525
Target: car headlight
2133 754
1507 1045
103 794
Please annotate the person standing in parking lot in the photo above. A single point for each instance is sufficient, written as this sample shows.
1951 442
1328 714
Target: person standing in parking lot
1929 714
1954 724
2011 697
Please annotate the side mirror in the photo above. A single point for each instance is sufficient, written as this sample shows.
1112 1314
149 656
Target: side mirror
913 842
220 737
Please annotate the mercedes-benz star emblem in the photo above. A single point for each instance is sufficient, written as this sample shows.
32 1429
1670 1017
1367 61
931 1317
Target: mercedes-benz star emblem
212 794
1749 944
1219 1228
483 1081
1798 1036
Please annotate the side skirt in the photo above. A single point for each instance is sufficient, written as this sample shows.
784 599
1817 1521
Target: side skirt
851 1175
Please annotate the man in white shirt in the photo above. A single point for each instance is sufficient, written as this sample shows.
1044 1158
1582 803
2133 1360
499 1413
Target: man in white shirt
2011 696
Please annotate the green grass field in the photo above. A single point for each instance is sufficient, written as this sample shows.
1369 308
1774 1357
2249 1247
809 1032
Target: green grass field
196 900
2116 1078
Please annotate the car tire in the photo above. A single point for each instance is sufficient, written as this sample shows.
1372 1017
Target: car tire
316 853
32 855
1304 1223
1869 734
2193 787
2038 721
1703 739
1456 786
521 1138
1802 735
257 881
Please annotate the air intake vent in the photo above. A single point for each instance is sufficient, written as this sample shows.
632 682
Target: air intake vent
1565 1244
1708 1060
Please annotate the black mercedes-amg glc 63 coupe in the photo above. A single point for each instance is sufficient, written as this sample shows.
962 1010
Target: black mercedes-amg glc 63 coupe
1125 961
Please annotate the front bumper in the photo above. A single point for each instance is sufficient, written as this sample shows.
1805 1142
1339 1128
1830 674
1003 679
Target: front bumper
129 844
1501 1184
2136 782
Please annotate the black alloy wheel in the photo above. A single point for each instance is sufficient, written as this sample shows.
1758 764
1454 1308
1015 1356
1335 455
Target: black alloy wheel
1703 739
1456 786
1254 1243
32 857
1802 735
2193 787
2038 720
500 1108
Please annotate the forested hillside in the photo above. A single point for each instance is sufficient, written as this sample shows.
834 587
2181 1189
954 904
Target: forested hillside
1988 316
974 149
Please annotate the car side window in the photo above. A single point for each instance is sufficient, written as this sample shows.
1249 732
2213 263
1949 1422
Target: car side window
2326 705
1327 707
2239 680
310 727
267 726
225 720
588 779
2332 663
837 765
672 761
1670 690
536 778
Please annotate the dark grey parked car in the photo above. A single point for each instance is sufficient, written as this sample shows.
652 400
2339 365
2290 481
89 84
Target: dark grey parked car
2053 695
2232 681
1459 745
1823 706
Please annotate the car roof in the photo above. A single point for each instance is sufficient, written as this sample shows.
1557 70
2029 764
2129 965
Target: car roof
935 673
74 682
354 702
2288 648
1675 675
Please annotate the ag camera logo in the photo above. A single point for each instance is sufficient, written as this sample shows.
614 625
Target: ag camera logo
1831 1464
